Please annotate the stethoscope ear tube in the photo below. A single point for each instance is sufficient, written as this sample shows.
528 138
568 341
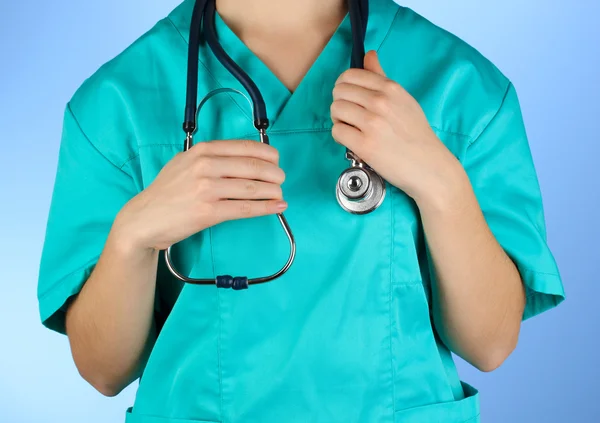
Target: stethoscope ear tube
358 10
259 109
191 97
359 189
204 12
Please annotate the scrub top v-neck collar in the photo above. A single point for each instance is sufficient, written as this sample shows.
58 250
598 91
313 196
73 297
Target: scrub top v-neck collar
308 107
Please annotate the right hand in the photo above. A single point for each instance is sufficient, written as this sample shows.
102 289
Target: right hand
212 182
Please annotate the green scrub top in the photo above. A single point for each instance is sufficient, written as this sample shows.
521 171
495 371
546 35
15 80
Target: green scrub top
346 334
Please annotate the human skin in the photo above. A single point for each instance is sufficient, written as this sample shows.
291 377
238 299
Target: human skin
479 297
111 335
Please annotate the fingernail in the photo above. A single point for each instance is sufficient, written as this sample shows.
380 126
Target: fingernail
281 205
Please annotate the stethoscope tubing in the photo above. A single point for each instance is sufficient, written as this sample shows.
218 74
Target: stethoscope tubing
244 282
203 21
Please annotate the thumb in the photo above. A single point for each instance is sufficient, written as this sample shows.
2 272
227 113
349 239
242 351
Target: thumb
372 64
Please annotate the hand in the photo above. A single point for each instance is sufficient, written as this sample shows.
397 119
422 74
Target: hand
385 126
210 183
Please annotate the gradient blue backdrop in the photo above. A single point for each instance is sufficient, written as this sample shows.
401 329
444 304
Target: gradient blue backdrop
550 50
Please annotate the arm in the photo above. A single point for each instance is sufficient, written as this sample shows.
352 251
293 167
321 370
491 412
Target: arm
479 298
110 324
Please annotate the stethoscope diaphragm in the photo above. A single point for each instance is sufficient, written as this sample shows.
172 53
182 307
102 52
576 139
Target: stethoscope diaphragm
359 189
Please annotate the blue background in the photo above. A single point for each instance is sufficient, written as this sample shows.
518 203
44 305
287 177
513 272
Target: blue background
551 52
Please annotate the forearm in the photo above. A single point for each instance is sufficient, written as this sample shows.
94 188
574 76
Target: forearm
110 324
478 297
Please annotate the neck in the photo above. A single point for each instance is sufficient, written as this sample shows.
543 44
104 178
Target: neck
267 15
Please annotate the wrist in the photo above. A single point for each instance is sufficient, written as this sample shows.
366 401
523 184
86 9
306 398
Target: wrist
447 190
127 237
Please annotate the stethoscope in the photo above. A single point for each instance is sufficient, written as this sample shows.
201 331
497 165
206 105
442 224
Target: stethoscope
359 189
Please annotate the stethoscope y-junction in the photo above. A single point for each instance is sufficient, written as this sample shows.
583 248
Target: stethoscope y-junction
359 189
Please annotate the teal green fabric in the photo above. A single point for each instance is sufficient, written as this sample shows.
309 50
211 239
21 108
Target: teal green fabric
346 335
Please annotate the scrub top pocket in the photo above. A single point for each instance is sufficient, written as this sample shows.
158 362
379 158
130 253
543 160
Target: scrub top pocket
421 364
132 417
461 411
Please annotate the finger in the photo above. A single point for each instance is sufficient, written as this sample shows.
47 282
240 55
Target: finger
363 78
246 189
240 168
350 113
348 136
239 148
356 94
371 63
242 209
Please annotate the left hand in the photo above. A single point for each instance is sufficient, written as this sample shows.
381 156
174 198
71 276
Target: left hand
385 126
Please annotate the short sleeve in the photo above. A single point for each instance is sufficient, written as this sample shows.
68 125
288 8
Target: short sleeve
89 191
501 169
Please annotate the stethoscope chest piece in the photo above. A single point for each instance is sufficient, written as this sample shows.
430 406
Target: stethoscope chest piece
359 189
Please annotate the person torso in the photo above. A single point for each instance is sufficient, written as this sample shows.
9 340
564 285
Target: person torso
346 334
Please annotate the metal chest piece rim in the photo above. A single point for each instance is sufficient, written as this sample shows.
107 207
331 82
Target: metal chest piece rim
359 190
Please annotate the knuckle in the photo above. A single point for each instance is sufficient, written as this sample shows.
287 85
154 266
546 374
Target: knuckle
254 164
248 144
350 74
334 108
372 120
381 102
267 207
375 121
392 87
203 186
279 193
201 148
251 187
275 154
341 78
245 208
203 166
336 131
280 177
338 89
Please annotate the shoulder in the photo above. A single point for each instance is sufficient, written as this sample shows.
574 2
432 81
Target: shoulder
126 90
459 89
